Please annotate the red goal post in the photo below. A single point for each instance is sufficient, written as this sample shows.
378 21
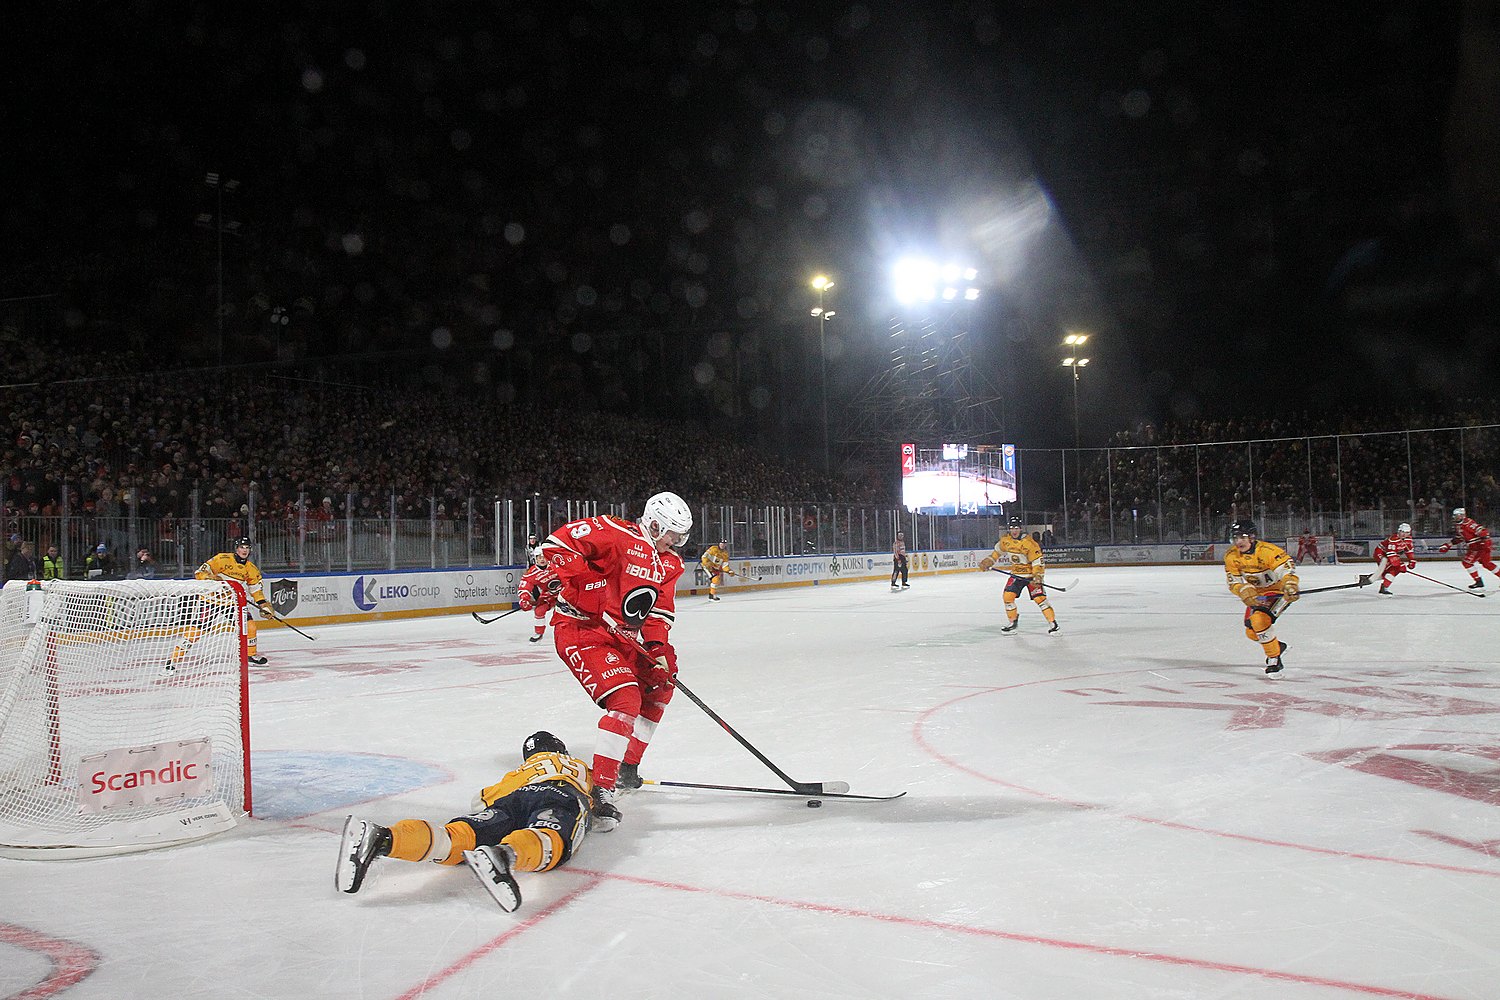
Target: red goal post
124 715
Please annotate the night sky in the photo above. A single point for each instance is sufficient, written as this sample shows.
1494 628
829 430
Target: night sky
1247 205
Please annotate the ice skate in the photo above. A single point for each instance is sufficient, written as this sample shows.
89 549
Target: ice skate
1384 590
1273 663
491 865
713 597
1477 585
1011 627
361 844
256 661
605 816
535 638
630 778
906 586
1055 628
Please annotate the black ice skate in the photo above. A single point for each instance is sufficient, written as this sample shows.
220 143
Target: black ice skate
1011 627
535 638
1477 585
630 778
1273 663
491 865
605 816
257 661
361 844
1384 590
1055 628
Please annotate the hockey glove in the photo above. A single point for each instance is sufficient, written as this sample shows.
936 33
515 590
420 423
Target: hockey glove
1290 591
1246 592
987 563
1445 546
663 668
585 592
264 607
526 599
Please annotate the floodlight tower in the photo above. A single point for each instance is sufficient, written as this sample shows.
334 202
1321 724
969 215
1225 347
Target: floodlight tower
932 387
822 315
220 184
1074 342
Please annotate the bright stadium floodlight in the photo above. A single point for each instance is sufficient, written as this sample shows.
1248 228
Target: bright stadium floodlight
1076 339
915 280
971 294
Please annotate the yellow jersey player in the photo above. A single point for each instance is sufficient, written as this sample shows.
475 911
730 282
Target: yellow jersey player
532 820
1265 578
232 565
1019 555
715 561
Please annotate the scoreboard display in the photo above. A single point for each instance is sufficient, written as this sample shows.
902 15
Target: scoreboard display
956 479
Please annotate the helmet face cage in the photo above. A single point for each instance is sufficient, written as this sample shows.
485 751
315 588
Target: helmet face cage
542 742
1241 529
242 541
663 513
1459 513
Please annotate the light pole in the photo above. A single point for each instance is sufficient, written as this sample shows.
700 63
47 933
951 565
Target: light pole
220 184
1074 342
822 284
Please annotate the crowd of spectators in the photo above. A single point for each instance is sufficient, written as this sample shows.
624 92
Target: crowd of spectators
148 443
1410 464
122 438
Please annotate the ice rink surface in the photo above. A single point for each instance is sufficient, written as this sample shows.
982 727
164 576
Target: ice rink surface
1130 808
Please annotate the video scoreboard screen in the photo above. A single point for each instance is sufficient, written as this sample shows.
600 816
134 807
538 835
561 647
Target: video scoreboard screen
958 479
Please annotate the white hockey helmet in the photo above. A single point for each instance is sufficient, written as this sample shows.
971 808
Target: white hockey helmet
1403 528
663 513
1459 513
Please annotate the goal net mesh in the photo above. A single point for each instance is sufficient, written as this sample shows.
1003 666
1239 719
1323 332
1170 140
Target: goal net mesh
113 694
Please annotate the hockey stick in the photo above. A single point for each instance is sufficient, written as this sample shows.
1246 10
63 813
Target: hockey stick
800 787
491 621
1049 586
1440 583
273 615
768 791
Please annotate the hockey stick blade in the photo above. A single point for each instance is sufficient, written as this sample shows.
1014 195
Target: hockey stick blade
812 791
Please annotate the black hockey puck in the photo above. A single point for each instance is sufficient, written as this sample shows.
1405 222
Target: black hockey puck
814 803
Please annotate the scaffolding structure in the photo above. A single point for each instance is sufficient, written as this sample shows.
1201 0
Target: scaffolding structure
933 388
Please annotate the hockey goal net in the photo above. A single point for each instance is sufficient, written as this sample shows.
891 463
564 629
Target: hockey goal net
124 715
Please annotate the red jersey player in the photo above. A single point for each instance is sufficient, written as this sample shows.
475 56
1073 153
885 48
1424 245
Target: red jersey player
1395 555
1307 548
533 596
1476 539
604 569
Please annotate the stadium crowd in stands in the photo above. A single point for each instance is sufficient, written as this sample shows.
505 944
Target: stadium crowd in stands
1291 467
115 440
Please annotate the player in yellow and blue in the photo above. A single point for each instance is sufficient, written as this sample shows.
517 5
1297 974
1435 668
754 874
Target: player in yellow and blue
715 561
532 820
233 565
1265 578
1021 557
